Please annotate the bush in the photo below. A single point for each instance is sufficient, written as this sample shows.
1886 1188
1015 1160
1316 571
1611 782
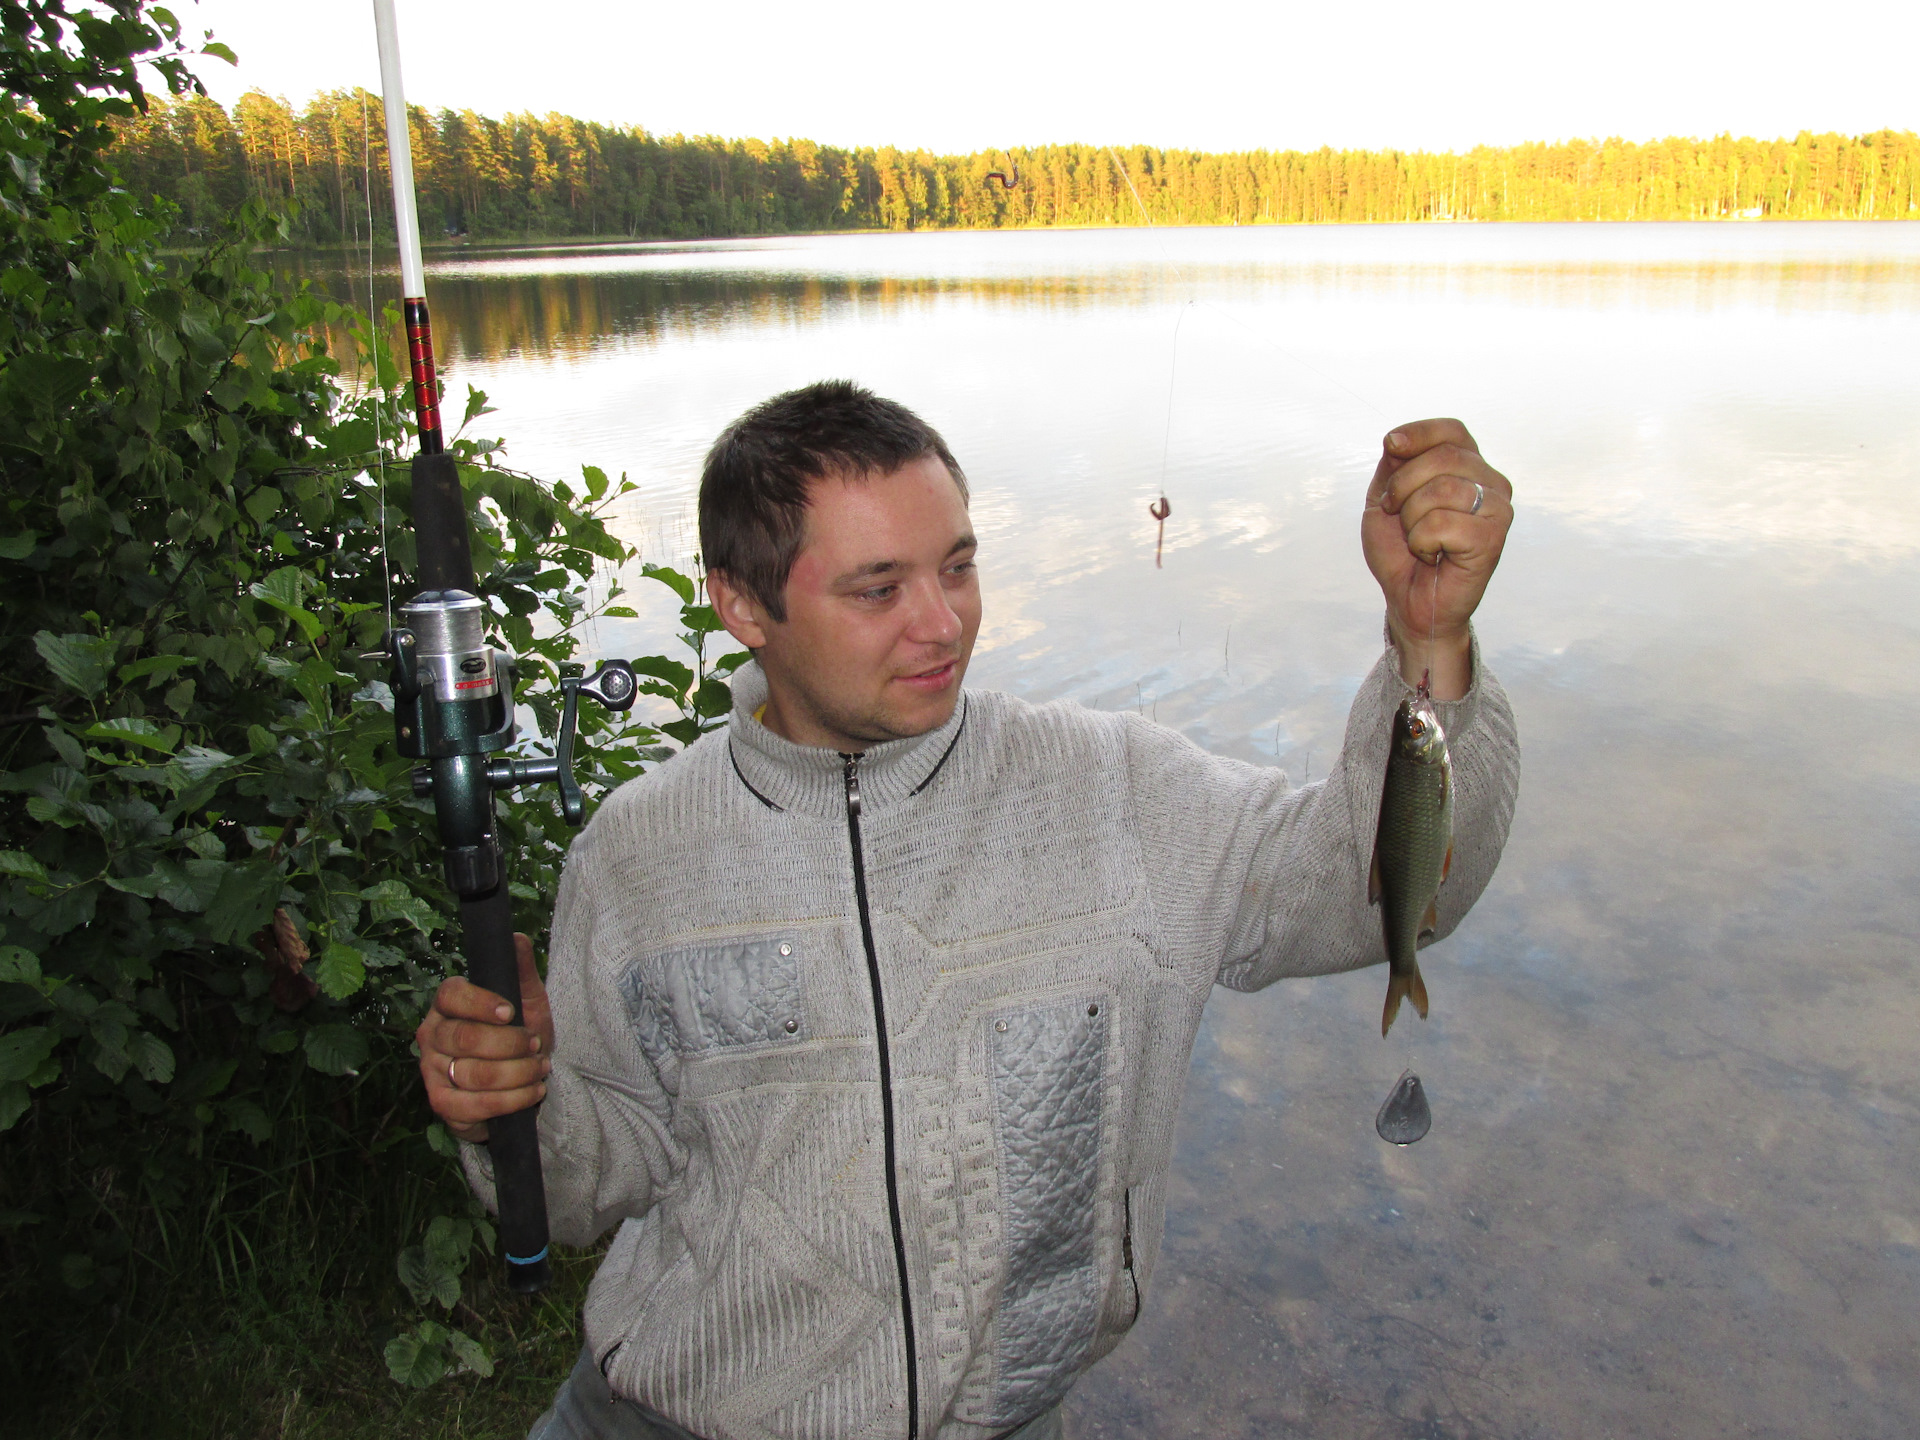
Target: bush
221 907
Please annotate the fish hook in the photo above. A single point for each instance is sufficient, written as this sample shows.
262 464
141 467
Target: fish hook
1159 509
1013 165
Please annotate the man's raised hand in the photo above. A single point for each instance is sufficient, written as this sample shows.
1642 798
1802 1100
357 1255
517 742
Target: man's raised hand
476 1063
1422 505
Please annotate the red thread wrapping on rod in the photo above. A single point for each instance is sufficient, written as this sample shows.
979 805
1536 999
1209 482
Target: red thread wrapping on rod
426 386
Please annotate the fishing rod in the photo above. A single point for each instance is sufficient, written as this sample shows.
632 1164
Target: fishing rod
453 705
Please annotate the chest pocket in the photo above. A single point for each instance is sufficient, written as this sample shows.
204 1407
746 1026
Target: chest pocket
704 999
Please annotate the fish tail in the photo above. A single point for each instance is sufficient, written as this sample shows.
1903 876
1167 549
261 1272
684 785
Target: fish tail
1396 992
1402 987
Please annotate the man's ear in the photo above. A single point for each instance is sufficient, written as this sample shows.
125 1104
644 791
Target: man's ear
737 609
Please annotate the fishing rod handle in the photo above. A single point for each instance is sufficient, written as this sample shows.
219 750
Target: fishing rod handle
440 528
513 1141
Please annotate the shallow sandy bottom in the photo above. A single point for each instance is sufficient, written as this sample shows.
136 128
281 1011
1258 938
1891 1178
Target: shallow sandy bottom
1672 1187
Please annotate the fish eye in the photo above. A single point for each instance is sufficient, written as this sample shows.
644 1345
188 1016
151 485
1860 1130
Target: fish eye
1416 728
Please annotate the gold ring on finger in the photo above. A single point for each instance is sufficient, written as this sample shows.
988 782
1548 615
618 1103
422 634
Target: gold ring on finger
450 1080
1479 497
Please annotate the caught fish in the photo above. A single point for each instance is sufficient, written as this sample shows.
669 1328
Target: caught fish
1414 847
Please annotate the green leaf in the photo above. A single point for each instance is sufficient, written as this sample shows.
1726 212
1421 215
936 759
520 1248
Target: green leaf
220 52
714 698
340 971
22 1052
190 886
336 1049
679 676
476 406
620 612
18 547
440 1140
245 900
151 1056
449 1242
392 900
262 503
701 619
471 1354
685 731
157 666
19 967
673 579
14 1101
80 662
196 762
21 864
283 589
418 1357
66 747
51 382
243 1117
260 740
136 730
427 1277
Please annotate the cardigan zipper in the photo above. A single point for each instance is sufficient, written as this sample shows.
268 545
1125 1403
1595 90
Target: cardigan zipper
1126 1254
852 775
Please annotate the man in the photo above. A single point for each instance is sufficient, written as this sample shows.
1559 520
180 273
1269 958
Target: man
870 1014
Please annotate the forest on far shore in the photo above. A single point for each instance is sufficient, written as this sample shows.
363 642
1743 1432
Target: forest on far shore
528 176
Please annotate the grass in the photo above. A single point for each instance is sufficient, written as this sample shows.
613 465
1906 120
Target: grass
250 1292
227 1366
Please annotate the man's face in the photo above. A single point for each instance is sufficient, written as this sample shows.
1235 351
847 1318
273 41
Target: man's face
882 608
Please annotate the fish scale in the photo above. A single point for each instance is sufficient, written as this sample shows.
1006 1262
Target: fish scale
1413 847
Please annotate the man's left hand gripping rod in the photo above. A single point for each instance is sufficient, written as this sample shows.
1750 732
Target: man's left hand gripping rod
453 708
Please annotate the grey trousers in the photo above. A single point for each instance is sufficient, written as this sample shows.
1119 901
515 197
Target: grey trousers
585 1409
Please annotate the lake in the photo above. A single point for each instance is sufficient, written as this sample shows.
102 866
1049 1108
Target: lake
1673 1182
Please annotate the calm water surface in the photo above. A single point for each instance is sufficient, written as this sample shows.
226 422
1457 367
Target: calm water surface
1673 1182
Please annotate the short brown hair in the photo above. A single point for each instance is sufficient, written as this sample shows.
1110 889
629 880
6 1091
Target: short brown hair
753 488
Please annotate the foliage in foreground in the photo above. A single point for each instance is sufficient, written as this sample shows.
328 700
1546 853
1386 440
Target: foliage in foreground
221 907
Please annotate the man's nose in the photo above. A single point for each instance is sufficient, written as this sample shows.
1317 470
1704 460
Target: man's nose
933 621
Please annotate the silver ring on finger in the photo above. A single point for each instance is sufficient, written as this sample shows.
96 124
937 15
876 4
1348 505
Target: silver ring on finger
450 1080
1479 498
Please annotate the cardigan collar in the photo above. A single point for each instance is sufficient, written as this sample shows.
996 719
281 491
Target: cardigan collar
812 779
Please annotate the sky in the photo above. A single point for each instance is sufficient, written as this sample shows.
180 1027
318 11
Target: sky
1201 74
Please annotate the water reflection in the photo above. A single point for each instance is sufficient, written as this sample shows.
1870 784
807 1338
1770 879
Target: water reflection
1675 1188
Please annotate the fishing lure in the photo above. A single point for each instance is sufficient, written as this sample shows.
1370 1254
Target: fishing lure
1160 509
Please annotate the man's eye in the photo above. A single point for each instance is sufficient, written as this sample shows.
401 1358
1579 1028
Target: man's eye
965 567
879 592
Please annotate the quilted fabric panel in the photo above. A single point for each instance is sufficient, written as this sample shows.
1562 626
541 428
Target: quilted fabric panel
706 998
1048 1075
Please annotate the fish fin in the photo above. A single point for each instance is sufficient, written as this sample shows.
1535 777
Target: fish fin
1417 987
1430 922
1396 990
1446 865
1373 880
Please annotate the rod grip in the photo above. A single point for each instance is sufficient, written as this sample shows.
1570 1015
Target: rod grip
513 1141
440 524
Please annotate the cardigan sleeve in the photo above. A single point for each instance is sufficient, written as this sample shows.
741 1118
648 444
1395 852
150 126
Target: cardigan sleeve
1268 881
607 1147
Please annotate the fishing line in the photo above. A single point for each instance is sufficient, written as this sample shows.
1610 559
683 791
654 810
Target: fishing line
373 345
1229 317
1173 371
